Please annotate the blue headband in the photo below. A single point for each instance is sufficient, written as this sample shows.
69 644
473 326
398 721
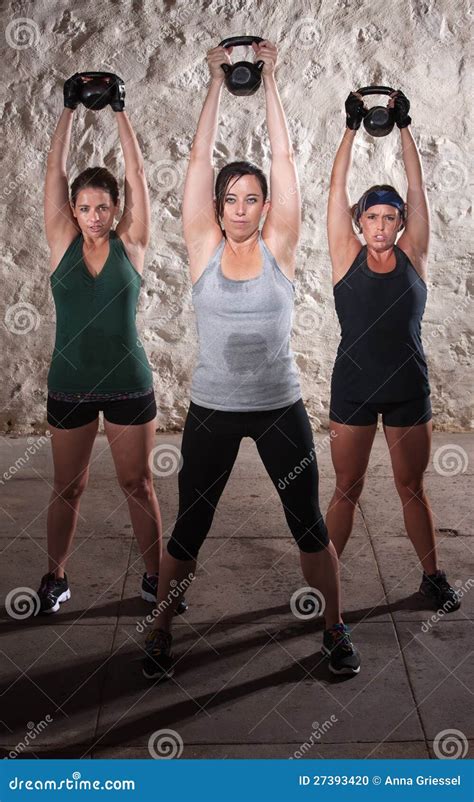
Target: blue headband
384 197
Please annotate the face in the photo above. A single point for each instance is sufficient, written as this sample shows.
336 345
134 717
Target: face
243 207
380 225
94 211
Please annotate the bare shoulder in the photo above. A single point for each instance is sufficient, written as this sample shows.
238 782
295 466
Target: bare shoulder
284 253
342 257
418 259
59 245
135 252
200 250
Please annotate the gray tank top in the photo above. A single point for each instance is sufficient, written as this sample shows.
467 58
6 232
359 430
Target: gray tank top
245 361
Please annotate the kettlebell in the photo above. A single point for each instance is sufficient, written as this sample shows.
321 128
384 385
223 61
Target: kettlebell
95 93
379 120
243 77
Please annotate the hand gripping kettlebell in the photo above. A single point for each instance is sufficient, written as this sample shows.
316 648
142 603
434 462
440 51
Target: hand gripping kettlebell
96 88
243 77
379 120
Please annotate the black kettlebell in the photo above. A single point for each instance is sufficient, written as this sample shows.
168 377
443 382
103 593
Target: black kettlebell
243 77
379 120
95 90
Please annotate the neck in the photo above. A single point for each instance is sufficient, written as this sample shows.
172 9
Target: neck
95 243
243 246
381 257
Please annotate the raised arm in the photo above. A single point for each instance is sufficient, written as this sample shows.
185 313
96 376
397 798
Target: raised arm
60 225
201 230
344 244
415 238
134 226
283 222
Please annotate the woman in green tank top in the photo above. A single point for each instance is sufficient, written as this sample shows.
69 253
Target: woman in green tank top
98 363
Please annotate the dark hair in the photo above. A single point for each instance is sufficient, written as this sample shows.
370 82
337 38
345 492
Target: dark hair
236 170
97 177
358 208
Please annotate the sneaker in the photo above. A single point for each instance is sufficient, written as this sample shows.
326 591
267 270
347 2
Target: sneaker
150 592
52 593
158 663
437 588
337 645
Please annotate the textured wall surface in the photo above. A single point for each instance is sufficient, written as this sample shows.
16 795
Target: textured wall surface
326 48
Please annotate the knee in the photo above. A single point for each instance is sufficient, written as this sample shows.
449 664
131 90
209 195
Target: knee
139 486
349 488
71 491
409 487
183 548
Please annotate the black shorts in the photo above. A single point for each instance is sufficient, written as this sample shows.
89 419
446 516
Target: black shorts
126 412
398 413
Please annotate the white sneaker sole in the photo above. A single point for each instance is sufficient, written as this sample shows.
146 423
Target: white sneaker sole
338 671
62 598
149 597
164 675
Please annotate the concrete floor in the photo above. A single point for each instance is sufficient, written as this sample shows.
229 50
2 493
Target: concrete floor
251 681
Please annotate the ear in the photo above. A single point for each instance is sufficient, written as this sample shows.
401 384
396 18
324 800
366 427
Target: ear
266 208
73 210
404 218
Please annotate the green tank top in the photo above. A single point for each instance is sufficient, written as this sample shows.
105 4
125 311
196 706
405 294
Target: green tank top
97 347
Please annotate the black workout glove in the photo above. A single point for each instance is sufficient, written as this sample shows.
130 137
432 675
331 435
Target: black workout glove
117 94
72 92
355 112
401 109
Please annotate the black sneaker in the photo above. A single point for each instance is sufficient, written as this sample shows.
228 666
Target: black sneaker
437 588
337 645
52 593
158 663
150 592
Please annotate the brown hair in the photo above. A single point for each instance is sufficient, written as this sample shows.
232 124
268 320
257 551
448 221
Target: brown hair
97 177
358 208
236 170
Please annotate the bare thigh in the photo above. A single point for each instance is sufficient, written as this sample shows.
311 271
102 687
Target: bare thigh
350 452
409 448
131 447
72 450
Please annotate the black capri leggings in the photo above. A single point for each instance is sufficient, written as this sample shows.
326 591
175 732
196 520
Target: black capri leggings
210 444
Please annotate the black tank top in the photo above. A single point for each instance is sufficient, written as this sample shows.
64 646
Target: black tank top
380 357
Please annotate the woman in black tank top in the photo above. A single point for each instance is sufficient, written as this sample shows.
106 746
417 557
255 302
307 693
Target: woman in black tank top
380 296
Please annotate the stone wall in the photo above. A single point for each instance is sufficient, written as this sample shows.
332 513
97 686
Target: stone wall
326 48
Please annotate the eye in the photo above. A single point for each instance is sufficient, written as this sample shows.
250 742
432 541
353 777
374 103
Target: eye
252 200
229 200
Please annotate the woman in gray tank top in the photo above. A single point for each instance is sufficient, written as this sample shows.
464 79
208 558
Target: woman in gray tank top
245 383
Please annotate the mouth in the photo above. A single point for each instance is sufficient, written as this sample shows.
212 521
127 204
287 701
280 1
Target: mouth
379 238
239 222
95 228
